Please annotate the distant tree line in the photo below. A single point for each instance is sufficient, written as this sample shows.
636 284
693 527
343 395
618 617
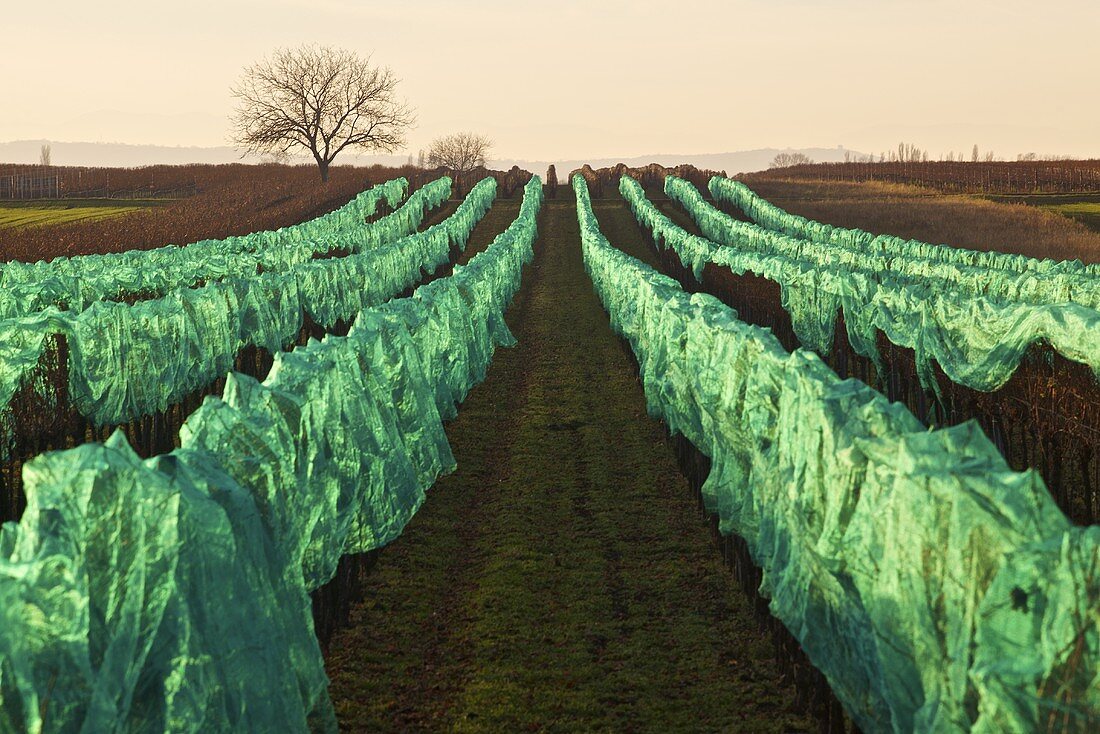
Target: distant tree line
909 153
978 174
905 153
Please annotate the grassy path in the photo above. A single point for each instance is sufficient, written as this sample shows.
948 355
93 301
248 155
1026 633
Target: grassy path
561 579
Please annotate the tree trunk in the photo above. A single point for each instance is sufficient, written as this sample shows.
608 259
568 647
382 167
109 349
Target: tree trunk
323 166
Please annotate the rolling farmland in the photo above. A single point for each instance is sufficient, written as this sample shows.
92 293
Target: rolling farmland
648 450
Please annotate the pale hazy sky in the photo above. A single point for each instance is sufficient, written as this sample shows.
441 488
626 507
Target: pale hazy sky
563 78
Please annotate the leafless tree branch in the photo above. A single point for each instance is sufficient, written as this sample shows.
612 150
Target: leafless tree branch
783 160
320 99
460 152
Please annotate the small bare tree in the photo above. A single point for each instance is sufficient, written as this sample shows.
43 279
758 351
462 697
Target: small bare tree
320 99
909 153
44 155
784 160
461 152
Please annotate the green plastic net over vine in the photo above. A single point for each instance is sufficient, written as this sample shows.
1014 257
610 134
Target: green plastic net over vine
171 594
935 588
75 283
768 215
976 333
130 360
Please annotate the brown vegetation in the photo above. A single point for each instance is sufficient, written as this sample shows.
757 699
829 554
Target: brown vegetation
224 200
956 220
651 177
971 177
510 183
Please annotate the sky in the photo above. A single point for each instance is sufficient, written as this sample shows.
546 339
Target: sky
602 78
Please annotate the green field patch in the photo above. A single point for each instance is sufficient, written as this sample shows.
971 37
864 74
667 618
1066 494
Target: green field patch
1085 212
1085 208
1082 208
38 213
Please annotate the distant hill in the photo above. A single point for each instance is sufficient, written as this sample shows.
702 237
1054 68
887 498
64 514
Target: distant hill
127 156
123 155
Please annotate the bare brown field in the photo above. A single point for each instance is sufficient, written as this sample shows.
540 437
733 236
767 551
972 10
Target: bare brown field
965 177
953 219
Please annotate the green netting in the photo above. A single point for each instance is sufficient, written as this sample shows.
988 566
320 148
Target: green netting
126 361
768 215
1033 287
116 273
935 588
172 594
75 283
977 340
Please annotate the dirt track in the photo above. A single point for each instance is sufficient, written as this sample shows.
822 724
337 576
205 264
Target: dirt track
562 579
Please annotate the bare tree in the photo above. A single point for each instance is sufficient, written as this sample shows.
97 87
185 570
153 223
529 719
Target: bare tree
909 153
974 154
783 160
461 152
321 99
44 155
